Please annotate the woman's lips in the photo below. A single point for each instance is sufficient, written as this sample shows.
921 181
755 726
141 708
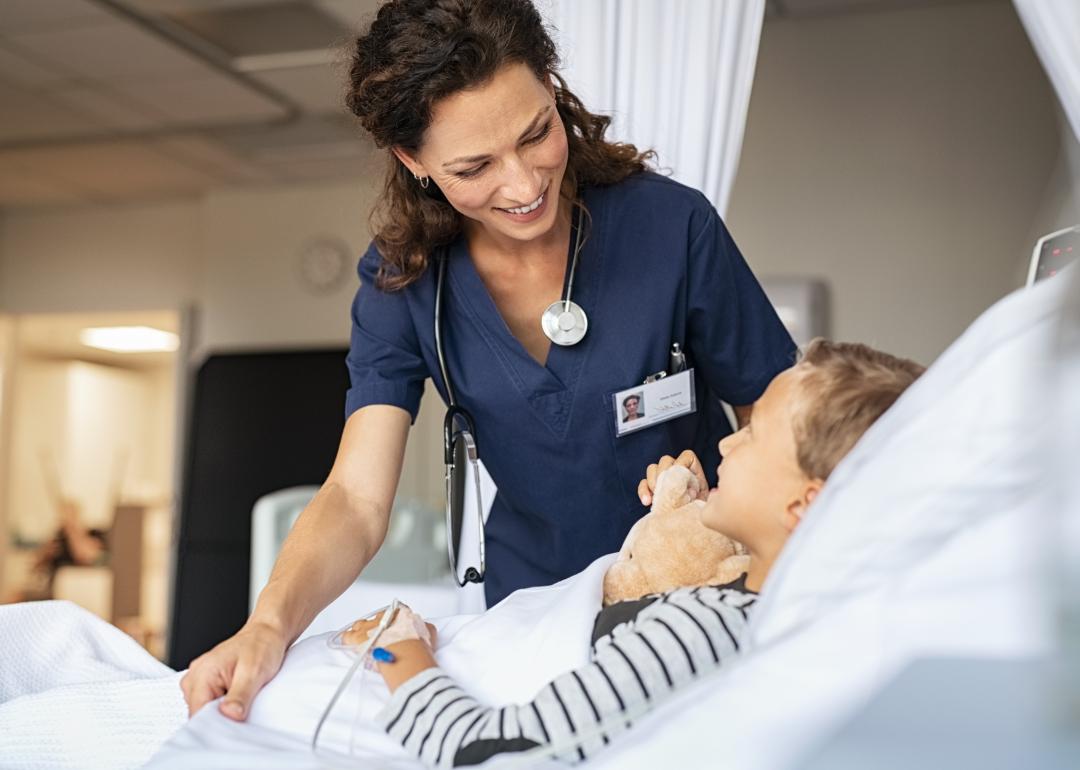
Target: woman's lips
531 216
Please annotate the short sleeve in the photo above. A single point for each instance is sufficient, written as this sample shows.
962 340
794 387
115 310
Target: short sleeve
384 361
734 333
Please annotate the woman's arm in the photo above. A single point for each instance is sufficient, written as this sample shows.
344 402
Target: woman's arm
332 541
684 635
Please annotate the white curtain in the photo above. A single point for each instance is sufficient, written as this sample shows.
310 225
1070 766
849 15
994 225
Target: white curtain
675 76
1054 29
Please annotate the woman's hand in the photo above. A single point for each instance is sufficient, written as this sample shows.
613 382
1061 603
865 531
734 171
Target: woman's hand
687 459
237 668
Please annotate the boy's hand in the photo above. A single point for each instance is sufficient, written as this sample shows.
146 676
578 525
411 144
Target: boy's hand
360 630
687 459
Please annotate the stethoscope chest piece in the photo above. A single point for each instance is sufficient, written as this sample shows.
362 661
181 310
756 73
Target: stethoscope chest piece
564 322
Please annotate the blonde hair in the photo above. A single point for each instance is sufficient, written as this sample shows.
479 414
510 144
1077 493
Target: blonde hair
844 388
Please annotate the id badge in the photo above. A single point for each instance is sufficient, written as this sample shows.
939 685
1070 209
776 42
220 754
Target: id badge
644 405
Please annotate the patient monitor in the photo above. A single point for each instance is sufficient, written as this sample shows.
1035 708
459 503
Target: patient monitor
1053 252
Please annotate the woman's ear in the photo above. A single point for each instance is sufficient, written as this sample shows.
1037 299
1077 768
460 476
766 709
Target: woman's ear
416 168
796 508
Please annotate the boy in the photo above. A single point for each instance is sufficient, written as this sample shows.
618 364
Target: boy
809 417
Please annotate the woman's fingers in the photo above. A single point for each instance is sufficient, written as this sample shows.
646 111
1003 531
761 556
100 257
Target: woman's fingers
247 680
200 686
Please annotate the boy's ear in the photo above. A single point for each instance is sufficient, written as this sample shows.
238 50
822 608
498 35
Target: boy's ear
415 167
796 509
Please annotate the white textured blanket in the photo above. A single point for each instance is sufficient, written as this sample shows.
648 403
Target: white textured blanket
76 692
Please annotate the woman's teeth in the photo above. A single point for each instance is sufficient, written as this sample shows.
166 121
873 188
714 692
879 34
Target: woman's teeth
526 209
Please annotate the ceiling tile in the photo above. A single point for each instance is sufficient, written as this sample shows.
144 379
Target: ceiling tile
112 111
204 100
27 15
112 51
30 117
18 69
318 88
271 27
355 14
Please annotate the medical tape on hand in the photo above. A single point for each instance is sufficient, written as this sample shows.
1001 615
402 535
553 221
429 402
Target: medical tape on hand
389 613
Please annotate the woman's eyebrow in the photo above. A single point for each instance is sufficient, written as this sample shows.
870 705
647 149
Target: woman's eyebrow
524 135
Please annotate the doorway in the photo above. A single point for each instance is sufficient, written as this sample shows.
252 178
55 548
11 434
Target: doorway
88 422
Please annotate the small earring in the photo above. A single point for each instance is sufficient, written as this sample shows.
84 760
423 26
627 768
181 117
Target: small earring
423 180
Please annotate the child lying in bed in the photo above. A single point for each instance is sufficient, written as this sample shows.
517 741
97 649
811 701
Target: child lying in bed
809 417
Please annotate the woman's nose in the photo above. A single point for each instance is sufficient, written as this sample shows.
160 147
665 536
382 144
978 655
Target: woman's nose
522 183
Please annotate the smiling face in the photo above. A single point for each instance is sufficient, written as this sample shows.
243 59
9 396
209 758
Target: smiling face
498 153
761 491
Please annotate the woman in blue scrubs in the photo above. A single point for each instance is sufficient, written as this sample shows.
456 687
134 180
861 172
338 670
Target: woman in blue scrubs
495 165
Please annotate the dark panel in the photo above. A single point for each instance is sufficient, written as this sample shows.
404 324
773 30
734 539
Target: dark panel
258 422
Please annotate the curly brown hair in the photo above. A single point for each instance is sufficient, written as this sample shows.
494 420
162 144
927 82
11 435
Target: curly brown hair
417 52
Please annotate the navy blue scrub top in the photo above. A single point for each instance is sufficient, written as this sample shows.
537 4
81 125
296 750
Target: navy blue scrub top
658 267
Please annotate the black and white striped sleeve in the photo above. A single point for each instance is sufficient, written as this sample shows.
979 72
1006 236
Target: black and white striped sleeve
682 636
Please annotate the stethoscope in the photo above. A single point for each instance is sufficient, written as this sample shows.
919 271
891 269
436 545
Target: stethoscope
565 324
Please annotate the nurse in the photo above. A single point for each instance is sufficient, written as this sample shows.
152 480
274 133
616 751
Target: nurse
496 167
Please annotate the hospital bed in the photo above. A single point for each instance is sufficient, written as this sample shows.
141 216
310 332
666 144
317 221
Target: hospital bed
929 541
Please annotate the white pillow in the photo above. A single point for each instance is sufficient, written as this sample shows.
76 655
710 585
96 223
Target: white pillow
965 442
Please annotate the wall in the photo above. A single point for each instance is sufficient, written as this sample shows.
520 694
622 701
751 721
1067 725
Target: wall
907 157
132 257
7 355
233 254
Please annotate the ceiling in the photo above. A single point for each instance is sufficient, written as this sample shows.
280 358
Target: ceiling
120 100
56 337
116 100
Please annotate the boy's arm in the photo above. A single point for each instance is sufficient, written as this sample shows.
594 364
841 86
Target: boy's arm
683 636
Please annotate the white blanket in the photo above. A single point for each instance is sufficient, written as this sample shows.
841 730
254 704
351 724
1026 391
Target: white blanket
502 656
76 692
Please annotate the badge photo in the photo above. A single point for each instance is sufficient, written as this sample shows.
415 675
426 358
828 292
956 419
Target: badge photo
654 402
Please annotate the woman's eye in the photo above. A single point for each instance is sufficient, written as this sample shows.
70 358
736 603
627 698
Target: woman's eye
541 136
471 172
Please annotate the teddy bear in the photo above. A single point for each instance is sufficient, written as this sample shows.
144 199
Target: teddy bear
670 548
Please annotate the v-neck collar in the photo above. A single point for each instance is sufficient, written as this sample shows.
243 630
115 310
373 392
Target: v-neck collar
549 388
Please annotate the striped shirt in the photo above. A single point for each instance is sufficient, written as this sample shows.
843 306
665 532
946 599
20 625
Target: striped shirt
673 638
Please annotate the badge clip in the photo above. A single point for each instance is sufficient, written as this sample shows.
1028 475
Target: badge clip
654 377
